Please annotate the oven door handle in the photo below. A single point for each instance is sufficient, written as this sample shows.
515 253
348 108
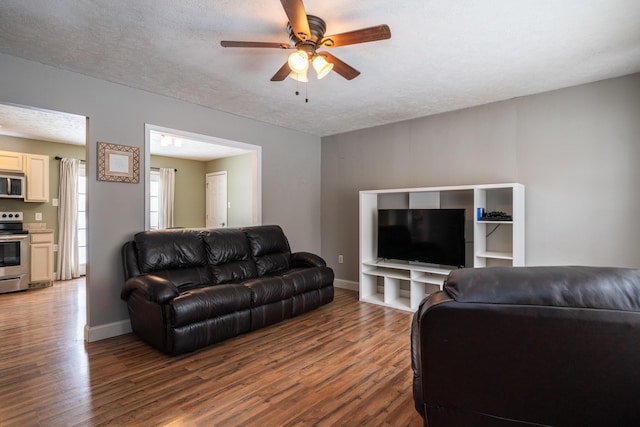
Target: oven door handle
9 237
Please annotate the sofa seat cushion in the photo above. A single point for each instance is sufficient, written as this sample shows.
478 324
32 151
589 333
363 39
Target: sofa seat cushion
605 288
308 279
269 289
208 302
229 255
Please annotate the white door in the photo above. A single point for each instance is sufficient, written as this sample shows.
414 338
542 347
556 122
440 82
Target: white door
216 202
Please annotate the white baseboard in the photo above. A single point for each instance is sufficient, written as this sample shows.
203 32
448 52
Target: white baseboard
101 332
346 284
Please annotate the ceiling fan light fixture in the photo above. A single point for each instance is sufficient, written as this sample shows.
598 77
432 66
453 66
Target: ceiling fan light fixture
321 66
301 77
299 62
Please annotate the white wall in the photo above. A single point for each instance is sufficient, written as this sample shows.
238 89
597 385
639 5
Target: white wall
577 151
290 168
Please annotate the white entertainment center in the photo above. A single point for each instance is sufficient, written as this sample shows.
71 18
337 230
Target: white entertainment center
402 284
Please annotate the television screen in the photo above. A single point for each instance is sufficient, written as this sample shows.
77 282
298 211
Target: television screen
433 236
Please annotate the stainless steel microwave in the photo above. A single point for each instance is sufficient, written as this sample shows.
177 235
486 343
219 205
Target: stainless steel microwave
12 186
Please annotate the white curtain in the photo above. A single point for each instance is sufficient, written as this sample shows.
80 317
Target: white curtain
167 188
67 219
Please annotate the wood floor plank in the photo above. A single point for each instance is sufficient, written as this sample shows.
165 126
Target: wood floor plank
344 364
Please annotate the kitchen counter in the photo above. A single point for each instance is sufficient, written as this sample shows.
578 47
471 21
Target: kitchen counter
39 230
37 227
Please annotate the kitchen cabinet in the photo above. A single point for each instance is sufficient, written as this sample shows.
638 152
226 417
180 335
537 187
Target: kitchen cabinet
10 161
41 258
36 170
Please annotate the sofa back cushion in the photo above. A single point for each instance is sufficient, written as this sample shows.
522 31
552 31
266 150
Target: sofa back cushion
269 248
607 288
229 255
176 255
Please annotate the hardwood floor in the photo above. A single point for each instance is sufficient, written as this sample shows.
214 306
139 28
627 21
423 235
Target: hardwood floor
345 364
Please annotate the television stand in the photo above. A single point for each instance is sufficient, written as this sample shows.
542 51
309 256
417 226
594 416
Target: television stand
403 285
393 274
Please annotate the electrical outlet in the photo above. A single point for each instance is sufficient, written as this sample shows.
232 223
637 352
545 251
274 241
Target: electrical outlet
340 259
38 216
54 202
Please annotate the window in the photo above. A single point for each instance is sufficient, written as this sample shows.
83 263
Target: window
154 200
81 225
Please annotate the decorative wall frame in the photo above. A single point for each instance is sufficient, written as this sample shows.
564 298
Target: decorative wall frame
118 163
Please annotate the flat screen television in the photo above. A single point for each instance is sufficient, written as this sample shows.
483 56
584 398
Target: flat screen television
433 236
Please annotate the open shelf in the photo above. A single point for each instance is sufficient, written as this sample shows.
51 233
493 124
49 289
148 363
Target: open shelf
495 255
403 285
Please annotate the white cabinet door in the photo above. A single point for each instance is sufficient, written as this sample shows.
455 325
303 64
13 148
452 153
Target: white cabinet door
41 258
37 174
10 161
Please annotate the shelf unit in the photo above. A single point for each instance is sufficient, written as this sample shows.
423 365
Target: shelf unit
403 285
507 246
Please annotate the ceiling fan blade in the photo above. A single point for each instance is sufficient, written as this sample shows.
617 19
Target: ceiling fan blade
342 68
380 32
228 43
297 18
282 73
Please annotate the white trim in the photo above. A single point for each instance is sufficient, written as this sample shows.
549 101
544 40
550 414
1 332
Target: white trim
101 332
346 284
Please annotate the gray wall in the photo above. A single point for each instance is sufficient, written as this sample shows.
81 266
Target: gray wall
290 166
577 151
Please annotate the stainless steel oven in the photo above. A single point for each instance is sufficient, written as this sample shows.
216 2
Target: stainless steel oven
14 253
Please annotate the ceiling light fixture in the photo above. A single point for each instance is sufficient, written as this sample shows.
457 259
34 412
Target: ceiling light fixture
299 62
166 141
301 77
321 66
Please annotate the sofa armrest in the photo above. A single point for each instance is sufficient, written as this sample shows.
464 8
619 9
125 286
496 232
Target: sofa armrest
306 259
429 303
154 288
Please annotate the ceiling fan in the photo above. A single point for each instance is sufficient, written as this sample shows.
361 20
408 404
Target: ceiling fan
306 35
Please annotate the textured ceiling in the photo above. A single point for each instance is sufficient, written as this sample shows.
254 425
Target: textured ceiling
44 125
443 54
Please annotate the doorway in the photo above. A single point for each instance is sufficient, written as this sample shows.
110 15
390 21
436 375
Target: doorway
54 134
216 200
212 152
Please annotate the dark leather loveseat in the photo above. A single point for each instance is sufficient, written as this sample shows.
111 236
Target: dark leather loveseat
530 346
188 288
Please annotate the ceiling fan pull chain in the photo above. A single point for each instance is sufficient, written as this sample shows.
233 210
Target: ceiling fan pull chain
306 95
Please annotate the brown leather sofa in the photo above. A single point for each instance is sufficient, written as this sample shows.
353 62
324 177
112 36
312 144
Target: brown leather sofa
530 346
187 288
